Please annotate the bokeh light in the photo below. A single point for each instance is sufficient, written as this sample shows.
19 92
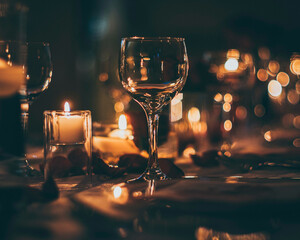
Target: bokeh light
296 122
293 96
231 64
227 125
188 151
274 88
226 107
259 110
241 112
295 65
119 107
228 97
297 86
296 142
262 75
283 78
194 114
268 136
103 77
218 97
274 66
233 53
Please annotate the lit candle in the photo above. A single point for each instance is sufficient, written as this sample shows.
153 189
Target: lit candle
70 126
122 132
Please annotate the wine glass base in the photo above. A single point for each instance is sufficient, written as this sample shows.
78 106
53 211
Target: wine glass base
149 175
22 168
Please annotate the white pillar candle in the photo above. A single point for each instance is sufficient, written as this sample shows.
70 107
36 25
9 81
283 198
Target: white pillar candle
70 127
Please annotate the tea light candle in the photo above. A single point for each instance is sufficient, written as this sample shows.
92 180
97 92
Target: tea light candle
70 126
122 132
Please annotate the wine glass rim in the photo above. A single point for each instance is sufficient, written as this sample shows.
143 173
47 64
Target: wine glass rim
46 44
154 38
21 42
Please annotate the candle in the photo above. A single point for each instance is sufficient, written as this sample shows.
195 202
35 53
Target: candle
11 78
70 126
122 132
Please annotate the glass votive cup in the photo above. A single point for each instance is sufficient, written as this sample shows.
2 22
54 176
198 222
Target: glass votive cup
67 143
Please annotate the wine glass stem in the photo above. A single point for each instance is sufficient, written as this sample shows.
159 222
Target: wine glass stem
24 122
153 120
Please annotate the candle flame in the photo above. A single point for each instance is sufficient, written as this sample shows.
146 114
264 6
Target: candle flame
67 107
122 122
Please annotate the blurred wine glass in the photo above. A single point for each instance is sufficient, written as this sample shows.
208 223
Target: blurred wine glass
153 71
38 75
233 74
26 67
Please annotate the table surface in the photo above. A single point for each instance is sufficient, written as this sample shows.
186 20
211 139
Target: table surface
218 202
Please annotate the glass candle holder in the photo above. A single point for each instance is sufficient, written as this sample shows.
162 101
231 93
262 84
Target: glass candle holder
67 143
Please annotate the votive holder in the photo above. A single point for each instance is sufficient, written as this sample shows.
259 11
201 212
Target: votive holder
67 143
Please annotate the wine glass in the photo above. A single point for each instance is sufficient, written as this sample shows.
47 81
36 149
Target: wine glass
38 74
153 71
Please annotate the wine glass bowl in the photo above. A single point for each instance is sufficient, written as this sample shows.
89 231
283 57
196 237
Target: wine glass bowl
38 71
153 71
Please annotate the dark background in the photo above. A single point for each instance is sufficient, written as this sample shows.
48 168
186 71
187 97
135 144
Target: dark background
85 38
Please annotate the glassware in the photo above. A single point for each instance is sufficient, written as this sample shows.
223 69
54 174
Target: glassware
153 71
231 81
67 143
33 65
38 76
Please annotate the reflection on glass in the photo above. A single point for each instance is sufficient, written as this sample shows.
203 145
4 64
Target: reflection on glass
203 233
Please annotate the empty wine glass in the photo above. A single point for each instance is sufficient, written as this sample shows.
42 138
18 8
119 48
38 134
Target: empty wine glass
153 71
38 74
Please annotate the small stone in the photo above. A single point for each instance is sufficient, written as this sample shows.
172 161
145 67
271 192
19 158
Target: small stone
58 166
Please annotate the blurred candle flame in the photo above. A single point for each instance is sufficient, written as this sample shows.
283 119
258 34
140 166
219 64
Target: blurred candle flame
122 122
194 114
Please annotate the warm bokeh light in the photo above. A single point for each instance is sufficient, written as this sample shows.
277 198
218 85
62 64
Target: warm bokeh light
233 53
268 136
296 122
295 65
296 142
228 97
194 114
241 112
67 107
262 75
293 96
259 110
283 78
297 86
227 125
119 107
274 66
264 53
189 151
231 64
218 97
103 77
226 107
274 88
